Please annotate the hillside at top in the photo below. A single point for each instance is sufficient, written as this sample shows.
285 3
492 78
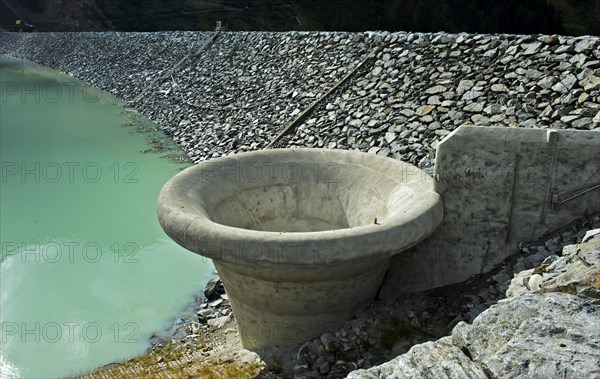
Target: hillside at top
571 17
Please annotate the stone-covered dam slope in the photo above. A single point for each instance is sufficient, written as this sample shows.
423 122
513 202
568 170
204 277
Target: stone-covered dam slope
236 91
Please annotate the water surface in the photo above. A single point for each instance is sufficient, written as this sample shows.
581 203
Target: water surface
86 273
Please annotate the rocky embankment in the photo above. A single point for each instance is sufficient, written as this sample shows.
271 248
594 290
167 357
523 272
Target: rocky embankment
239 92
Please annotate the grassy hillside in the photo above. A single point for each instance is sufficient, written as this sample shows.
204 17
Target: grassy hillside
579 17
484 16
200 15
510 16
574 17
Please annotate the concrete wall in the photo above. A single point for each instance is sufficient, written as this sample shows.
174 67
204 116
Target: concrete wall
500 186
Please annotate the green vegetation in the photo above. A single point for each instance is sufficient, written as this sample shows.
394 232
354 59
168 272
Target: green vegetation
7 18
37 6
165 363
484 16
274 367
147 15
489 16
575 17
154 15
579 17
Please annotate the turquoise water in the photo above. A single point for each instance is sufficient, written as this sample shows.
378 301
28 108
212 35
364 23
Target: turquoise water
86 273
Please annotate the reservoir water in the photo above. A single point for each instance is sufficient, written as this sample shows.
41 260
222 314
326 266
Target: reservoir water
86 273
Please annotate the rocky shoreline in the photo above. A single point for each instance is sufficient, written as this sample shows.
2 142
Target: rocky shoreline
239 92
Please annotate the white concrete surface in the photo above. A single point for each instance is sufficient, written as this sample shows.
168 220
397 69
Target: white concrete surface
301 237
501 186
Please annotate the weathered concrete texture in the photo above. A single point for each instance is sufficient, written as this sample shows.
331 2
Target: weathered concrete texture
300 237
501 186
547 328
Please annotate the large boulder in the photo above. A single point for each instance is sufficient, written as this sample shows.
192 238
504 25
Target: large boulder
546 328
550 335
437 359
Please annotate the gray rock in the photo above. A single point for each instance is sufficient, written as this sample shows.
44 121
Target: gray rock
584 45
390 137
534 336
206 312
434 126
572 273
582 123
435 90
212 290
439 359
219 322
568 48
425 109
537 335
568 81
569 118
546 82
434 100
549 40
324 368
472 95
464 86
443 39
474 107
330 342
533 74
455 115
531 48
423 41
594 233
479 119
499 88
493 109
590 82
304 372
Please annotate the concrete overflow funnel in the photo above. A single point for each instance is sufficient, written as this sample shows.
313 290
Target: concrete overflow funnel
301 237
